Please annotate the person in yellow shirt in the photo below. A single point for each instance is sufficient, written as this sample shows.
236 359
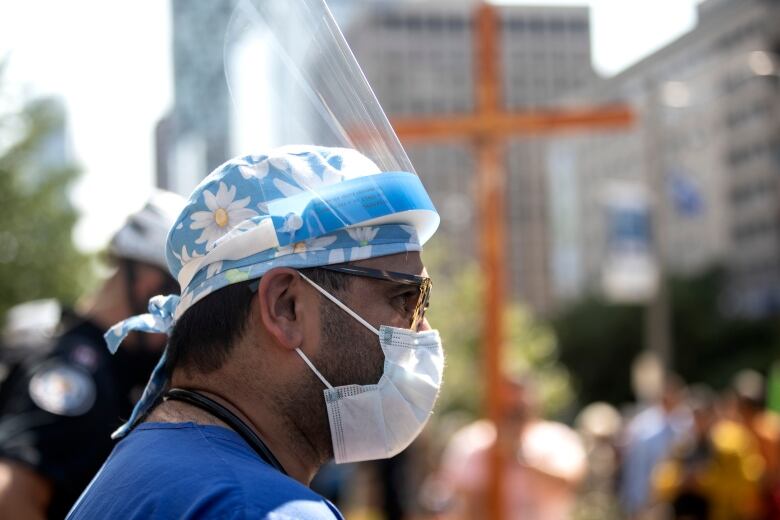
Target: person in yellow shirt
716 473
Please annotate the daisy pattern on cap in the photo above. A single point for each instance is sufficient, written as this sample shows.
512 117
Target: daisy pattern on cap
363 236
301 176
305 246
249 170
185 257
224 213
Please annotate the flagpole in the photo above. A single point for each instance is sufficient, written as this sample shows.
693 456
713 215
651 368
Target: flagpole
657 322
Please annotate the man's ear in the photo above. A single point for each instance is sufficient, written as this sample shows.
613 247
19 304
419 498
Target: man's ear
279 296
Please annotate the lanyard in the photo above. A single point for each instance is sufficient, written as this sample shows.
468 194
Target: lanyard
223 414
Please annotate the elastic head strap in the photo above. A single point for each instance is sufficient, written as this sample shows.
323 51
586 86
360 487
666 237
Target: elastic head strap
340 304
130 276
136 307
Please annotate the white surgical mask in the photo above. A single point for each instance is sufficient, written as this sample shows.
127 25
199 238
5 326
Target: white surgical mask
369 422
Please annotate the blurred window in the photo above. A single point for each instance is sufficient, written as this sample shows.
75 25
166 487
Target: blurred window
392 22
557 25
515 24
536 25
744 194
414 23
742 154
458 23
578 26
753 230
435 24
736 118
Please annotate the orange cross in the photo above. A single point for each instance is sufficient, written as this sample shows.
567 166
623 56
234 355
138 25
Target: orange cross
488 128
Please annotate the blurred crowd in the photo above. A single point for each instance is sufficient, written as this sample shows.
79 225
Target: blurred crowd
702 455
688 452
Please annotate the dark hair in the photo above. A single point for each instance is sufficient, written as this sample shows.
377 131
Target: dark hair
204 336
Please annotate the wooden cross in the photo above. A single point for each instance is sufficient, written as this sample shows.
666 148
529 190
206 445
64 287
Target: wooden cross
488 128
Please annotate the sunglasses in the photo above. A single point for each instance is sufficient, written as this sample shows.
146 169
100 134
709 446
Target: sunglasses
422 283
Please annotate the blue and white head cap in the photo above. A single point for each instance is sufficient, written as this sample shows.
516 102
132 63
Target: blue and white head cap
295 206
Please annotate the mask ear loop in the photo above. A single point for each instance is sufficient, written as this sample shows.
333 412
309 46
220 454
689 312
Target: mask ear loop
343 307
311 365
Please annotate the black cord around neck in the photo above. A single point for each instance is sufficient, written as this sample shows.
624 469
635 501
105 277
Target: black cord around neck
212 407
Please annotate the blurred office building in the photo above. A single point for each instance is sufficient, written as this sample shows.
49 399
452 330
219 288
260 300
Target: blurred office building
204 128
56 147
419 58
195 137
51 145
706 147
705 143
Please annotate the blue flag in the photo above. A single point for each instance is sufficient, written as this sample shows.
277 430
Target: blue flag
685 195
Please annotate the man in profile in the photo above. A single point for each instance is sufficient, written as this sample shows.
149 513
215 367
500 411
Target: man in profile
300 336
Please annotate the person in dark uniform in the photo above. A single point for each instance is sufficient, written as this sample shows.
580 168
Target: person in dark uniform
59 405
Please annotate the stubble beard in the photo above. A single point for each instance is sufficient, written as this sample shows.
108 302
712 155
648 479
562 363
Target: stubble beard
350 354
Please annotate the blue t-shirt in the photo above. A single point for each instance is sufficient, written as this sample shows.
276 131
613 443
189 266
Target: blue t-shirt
187 470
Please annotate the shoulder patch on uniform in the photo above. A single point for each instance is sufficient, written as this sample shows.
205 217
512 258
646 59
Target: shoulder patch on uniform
63 389
85 356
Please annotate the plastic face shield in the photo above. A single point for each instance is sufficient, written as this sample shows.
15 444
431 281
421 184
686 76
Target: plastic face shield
294 80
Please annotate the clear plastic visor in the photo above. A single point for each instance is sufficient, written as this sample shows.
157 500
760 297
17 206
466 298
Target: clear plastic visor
294 80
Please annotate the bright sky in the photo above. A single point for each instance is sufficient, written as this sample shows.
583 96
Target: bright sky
111 62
